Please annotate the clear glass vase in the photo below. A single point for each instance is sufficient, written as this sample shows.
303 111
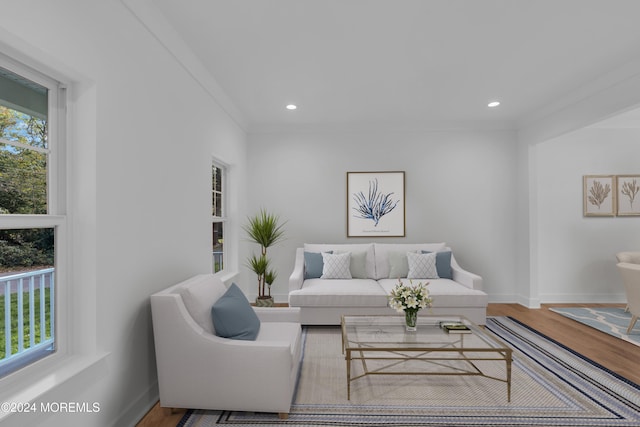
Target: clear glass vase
411 319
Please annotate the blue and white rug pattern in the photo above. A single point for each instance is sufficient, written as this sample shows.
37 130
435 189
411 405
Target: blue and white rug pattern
551 386
611 320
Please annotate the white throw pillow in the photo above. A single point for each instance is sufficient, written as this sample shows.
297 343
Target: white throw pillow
422 266
370 260
336 266
358 264
198 294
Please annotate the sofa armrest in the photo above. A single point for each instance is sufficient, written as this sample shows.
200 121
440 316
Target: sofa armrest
470 280
464 277
185 350
278 314
297 277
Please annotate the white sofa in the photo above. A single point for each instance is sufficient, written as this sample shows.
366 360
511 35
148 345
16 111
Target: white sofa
323 301
199 370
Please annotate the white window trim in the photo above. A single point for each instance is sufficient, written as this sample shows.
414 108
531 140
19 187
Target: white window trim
222 219
232 225
75 331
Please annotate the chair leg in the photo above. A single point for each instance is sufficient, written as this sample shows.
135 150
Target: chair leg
633 322
283 415
626 308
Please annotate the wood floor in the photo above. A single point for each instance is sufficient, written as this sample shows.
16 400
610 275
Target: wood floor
617 355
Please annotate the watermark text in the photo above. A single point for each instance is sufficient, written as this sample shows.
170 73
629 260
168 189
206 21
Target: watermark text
50 407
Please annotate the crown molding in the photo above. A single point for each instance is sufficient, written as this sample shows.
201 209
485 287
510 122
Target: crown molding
613 93
364 127
155 22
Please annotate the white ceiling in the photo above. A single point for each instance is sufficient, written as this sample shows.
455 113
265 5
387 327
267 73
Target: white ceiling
403 63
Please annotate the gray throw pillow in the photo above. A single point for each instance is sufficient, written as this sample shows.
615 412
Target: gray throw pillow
358 265
398 265
233 317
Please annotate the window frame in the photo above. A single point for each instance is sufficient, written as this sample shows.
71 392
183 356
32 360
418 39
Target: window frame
71 354
56 195
224 175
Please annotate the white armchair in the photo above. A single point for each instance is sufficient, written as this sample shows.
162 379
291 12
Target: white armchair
200 370
631 280
628 256
632 257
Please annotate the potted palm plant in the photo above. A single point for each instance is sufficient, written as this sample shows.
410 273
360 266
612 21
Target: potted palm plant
264 229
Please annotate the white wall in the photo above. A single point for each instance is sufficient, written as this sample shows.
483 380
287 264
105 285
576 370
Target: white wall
142 139
525 294
576 254
473 190
460 188
141 146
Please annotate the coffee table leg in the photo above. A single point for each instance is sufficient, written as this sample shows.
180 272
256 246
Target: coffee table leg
348 358
508 376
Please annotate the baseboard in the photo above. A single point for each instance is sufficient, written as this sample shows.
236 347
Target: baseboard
503 299
583 299
139 408
529 302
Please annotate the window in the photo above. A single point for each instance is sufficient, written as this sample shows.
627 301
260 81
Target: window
218 176
24 147
31 214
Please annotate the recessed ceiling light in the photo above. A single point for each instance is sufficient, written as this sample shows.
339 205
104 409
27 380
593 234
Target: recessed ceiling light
493 104
291 107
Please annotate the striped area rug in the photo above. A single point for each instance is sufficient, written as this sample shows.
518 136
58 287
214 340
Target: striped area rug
610 320
551 386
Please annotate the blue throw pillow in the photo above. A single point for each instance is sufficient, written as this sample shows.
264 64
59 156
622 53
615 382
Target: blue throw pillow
443 264
233 317
313 264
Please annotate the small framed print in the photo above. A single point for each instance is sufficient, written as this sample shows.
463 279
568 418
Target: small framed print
375 204
599 195
628 195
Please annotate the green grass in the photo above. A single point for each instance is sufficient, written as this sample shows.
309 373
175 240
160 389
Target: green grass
26 316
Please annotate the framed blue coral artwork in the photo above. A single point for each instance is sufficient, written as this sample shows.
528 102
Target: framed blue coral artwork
375 204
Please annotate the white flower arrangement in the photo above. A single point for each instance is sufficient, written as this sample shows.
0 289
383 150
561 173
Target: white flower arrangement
409 297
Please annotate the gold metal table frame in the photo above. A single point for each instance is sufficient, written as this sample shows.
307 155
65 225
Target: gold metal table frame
385 338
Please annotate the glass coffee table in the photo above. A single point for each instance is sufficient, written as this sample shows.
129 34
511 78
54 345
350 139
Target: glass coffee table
384 347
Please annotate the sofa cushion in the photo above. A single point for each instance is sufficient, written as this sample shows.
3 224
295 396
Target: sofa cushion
443 264
370 266
382 250
198 294
336 266
358 266
313 265
445 293
398 264
339 293
422 266
233 316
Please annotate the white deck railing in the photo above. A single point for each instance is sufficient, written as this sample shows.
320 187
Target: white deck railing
217 261
26 285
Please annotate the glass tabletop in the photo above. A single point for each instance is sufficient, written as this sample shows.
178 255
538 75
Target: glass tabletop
384 333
